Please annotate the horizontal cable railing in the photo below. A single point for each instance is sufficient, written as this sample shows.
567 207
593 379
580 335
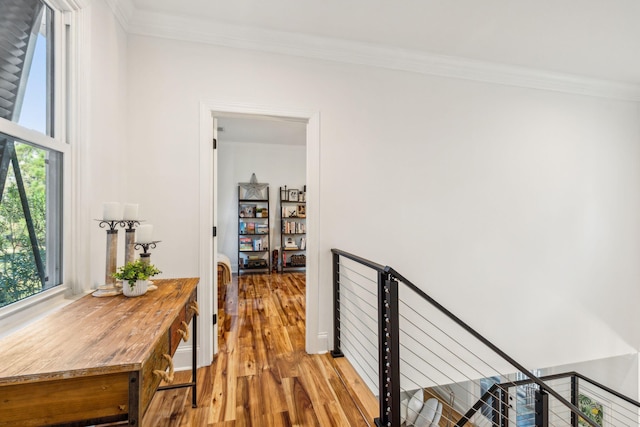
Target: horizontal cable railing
430 368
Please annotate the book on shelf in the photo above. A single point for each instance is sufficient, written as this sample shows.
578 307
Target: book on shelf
293 227
245 244
251 227
262 228
243 228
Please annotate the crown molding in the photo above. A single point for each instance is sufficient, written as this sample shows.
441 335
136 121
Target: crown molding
220 34
123 11
69 5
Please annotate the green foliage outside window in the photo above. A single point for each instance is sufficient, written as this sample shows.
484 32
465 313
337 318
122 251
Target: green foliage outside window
19 276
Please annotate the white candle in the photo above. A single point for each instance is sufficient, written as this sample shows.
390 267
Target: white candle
144 233
130 211
111 211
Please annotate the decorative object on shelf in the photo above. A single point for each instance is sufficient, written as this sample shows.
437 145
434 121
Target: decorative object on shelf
274 261
293 195
298 260
247 211
290 243
135 276
253 189
257 263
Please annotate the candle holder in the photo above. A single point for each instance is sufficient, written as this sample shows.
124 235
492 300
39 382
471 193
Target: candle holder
145 257
109 288
130 240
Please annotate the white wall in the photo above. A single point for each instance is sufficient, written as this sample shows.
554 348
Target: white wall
518 209
619 373
103 147
276 164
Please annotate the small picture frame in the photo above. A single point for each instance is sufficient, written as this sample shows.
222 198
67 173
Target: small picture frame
301 211
293 195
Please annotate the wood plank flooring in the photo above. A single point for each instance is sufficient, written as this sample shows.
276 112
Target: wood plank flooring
262 375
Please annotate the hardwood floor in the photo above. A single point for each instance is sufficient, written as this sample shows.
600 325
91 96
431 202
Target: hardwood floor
262 375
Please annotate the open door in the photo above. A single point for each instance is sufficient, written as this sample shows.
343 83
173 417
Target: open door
214 210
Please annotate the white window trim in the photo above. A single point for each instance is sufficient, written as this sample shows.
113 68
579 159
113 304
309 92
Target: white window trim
67 14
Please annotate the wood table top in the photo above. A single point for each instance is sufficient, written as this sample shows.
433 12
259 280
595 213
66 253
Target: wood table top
93 336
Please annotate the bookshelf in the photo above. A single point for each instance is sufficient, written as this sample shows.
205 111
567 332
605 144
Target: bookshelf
254 240
293 229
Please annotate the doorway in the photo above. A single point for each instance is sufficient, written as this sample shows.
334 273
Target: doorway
210 113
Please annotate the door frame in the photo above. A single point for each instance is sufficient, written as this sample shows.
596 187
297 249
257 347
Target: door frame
315 342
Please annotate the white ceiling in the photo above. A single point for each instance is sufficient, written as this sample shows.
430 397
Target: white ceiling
548 44
262 130
591 38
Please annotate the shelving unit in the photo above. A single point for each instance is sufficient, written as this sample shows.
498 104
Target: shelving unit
293 229
254 240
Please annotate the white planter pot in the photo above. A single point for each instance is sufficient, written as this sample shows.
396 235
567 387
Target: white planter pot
140 288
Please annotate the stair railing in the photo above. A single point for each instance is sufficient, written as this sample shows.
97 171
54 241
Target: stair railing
399 337
622 410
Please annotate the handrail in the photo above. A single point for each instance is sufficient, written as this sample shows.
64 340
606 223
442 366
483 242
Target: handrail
609 390
395 274
582 377
374 265
488 343
492 390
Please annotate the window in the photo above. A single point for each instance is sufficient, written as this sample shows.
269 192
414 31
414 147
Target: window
31 158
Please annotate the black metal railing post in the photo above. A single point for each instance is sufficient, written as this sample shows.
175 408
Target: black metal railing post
337 351
574 399
542 408
389 351
504 407
496 401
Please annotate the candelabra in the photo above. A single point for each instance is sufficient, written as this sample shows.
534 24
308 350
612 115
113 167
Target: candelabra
109 288
145 257
130 237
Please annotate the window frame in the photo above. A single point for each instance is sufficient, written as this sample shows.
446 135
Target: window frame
19 313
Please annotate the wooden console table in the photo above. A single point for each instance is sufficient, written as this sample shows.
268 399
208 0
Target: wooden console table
98 360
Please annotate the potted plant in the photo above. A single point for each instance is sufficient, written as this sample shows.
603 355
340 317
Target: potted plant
136 274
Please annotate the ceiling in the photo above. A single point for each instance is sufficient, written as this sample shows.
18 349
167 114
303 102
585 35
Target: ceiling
262 130
591 38
559 42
